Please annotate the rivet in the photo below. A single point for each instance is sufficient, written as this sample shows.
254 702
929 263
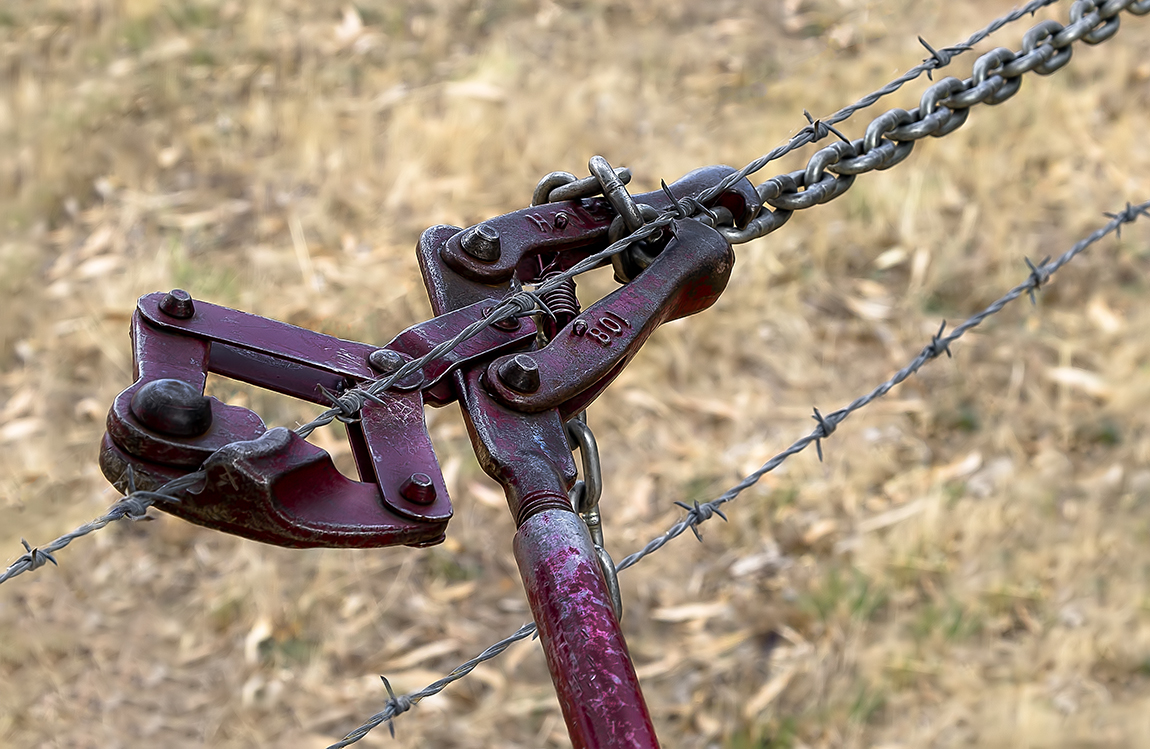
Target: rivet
178 303
385 361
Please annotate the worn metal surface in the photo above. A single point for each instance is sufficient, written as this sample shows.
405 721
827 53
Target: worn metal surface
592 670
277 489
576 228
686 277
889 140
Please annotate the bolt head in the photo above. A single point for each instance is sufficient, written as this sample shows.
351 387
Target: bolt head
419 488
482 243
172 407
178 303
520 373
385 361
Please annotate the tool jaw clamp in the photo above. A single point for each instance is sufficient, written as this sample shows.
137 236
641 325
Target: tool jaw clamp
517 387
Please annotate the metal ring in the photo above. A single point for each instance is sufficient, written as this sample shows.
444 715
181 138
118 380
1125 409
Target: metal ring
1112 8
1085 16
776 186
1139 7
1009 89
955 120
618 228
1103 32
543 190
1028 61
939 91
867 162
1082 21
991 65
921 127
634 259
581 436
825 190
988 65
611 577
898 154
1109 14
616 192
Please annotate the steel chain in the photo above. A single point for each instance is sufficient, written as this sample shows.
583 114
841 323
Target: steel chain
585 495
944 107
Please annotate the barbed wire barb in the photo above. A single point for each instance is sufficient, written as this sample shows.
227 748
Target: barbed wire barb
1039 275
941 57
133 506
135 503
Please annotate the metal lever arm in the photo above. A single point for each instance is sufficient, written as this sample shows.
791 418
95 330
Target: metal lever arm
585 356
573 228
274 486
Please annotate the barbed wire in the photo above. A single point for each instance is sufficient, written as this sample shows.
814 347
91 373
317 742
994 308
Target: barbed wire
346 405
523 302
700 512
134 506
939 344
403 703
526 302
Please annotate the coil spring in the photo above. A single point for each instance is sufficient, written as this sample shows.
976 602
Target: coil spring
561 301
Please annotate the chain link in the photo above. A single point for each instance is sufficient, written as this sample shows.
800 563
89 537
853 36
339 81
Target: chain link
889 139
585 495
944 107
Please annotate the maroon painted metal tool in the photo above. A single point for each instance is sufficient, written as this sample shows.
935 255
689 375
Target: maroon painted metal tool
517 386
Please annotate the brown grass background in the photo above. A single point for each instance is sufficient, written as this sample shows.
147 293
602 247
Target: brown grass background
970 566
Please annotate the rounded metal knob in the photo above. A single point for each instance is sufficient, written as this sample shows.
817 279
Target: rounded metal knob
172 407
178 303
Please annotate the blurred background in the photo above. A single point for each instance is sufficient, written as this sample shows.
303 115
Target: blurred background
969 566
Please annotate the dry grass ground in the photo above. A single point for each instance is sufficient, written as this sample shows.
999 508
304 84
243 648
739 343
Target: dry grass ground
971 564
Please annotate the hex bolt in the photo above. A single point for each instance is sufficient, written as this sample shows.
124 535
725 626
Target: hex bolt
385 361
482 243
178 303
418 489
172 407
520 373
